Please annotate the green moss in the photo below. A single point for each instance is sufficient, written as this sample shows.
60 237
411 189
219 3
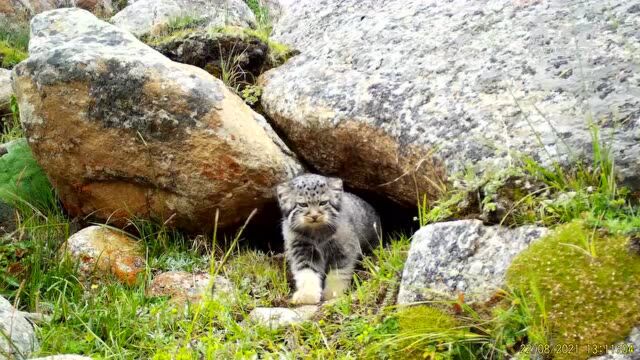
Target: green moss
166 37
22 179
589 282
278 52
10 55
424 319
427 332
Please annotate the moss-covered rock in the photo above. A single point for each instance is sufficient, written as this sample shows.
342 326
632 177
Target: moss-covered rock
589 283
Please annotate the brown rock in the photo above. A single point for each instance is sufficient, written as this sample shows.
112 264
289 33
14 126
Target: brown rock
184 287
101 251
123 132
25 8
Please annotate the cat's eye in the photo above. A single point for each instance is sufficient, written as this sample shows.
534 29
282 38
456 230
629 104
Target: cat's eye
323 203
303 204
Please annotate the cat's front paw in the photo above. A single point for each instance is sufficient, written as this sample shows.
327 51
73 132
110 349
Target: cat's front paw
306 297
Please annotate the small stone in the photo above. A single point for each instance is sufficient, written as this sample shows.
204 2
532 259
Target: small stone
279 317
449 258
183 287
101 251
23 340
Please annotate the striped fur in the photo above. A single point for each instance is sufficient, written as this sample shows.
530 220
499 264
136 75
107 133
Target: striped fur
325 232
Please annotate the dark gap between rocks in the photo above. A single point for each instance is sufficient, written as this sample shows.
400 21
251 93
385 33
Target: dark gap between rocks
264 232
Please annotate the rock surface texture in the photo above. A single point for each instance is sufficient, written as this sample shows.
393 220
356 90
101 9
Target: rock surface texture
629 349
25 8
421 88
5 93
464 256
279 317
183 287
18 330
100 250
144 16
124 132
28 8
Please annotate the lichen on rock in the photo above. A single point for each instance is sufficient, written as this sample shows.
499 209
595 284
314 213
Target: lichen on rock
425 88
123 132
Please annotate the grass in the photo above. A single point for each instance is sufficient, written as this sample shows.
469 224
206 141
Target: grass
14 42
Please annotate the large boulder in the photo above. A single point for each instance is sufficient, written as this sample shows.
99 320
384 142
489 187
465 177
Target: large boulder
17 335
123 132
145 16
465 256
395 95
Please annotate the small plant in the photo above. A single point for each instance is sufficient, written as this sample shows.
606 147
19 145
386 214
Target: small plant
231 73
251 94
14 42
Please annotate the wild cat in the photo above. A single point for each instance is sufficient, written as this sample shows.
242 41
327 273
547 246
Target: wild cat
325 232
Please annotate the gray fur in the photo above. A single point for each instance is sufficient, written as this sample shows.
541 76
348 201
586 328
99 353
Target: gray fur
345 226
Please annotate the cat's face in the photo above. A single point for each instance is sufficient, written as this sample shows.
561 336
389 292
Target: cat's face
311 201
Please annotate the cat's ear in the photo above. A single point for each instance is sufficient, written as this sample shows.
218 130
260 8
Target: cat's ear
335 184
285 199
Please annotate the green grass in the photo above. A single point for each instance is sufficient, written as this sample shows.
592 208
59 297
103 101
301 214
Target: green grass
22 181
14 42
261 12
278 52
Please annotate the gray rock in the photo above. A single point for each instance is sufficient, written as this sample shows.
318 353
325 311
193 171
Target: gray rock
397 93
17 338
279 317
183 287
629 349
20 9
142 16
461 257
124 132
5 92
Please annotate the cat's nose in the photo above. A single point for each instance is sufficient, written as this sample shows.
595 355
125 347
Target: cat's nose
314 217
